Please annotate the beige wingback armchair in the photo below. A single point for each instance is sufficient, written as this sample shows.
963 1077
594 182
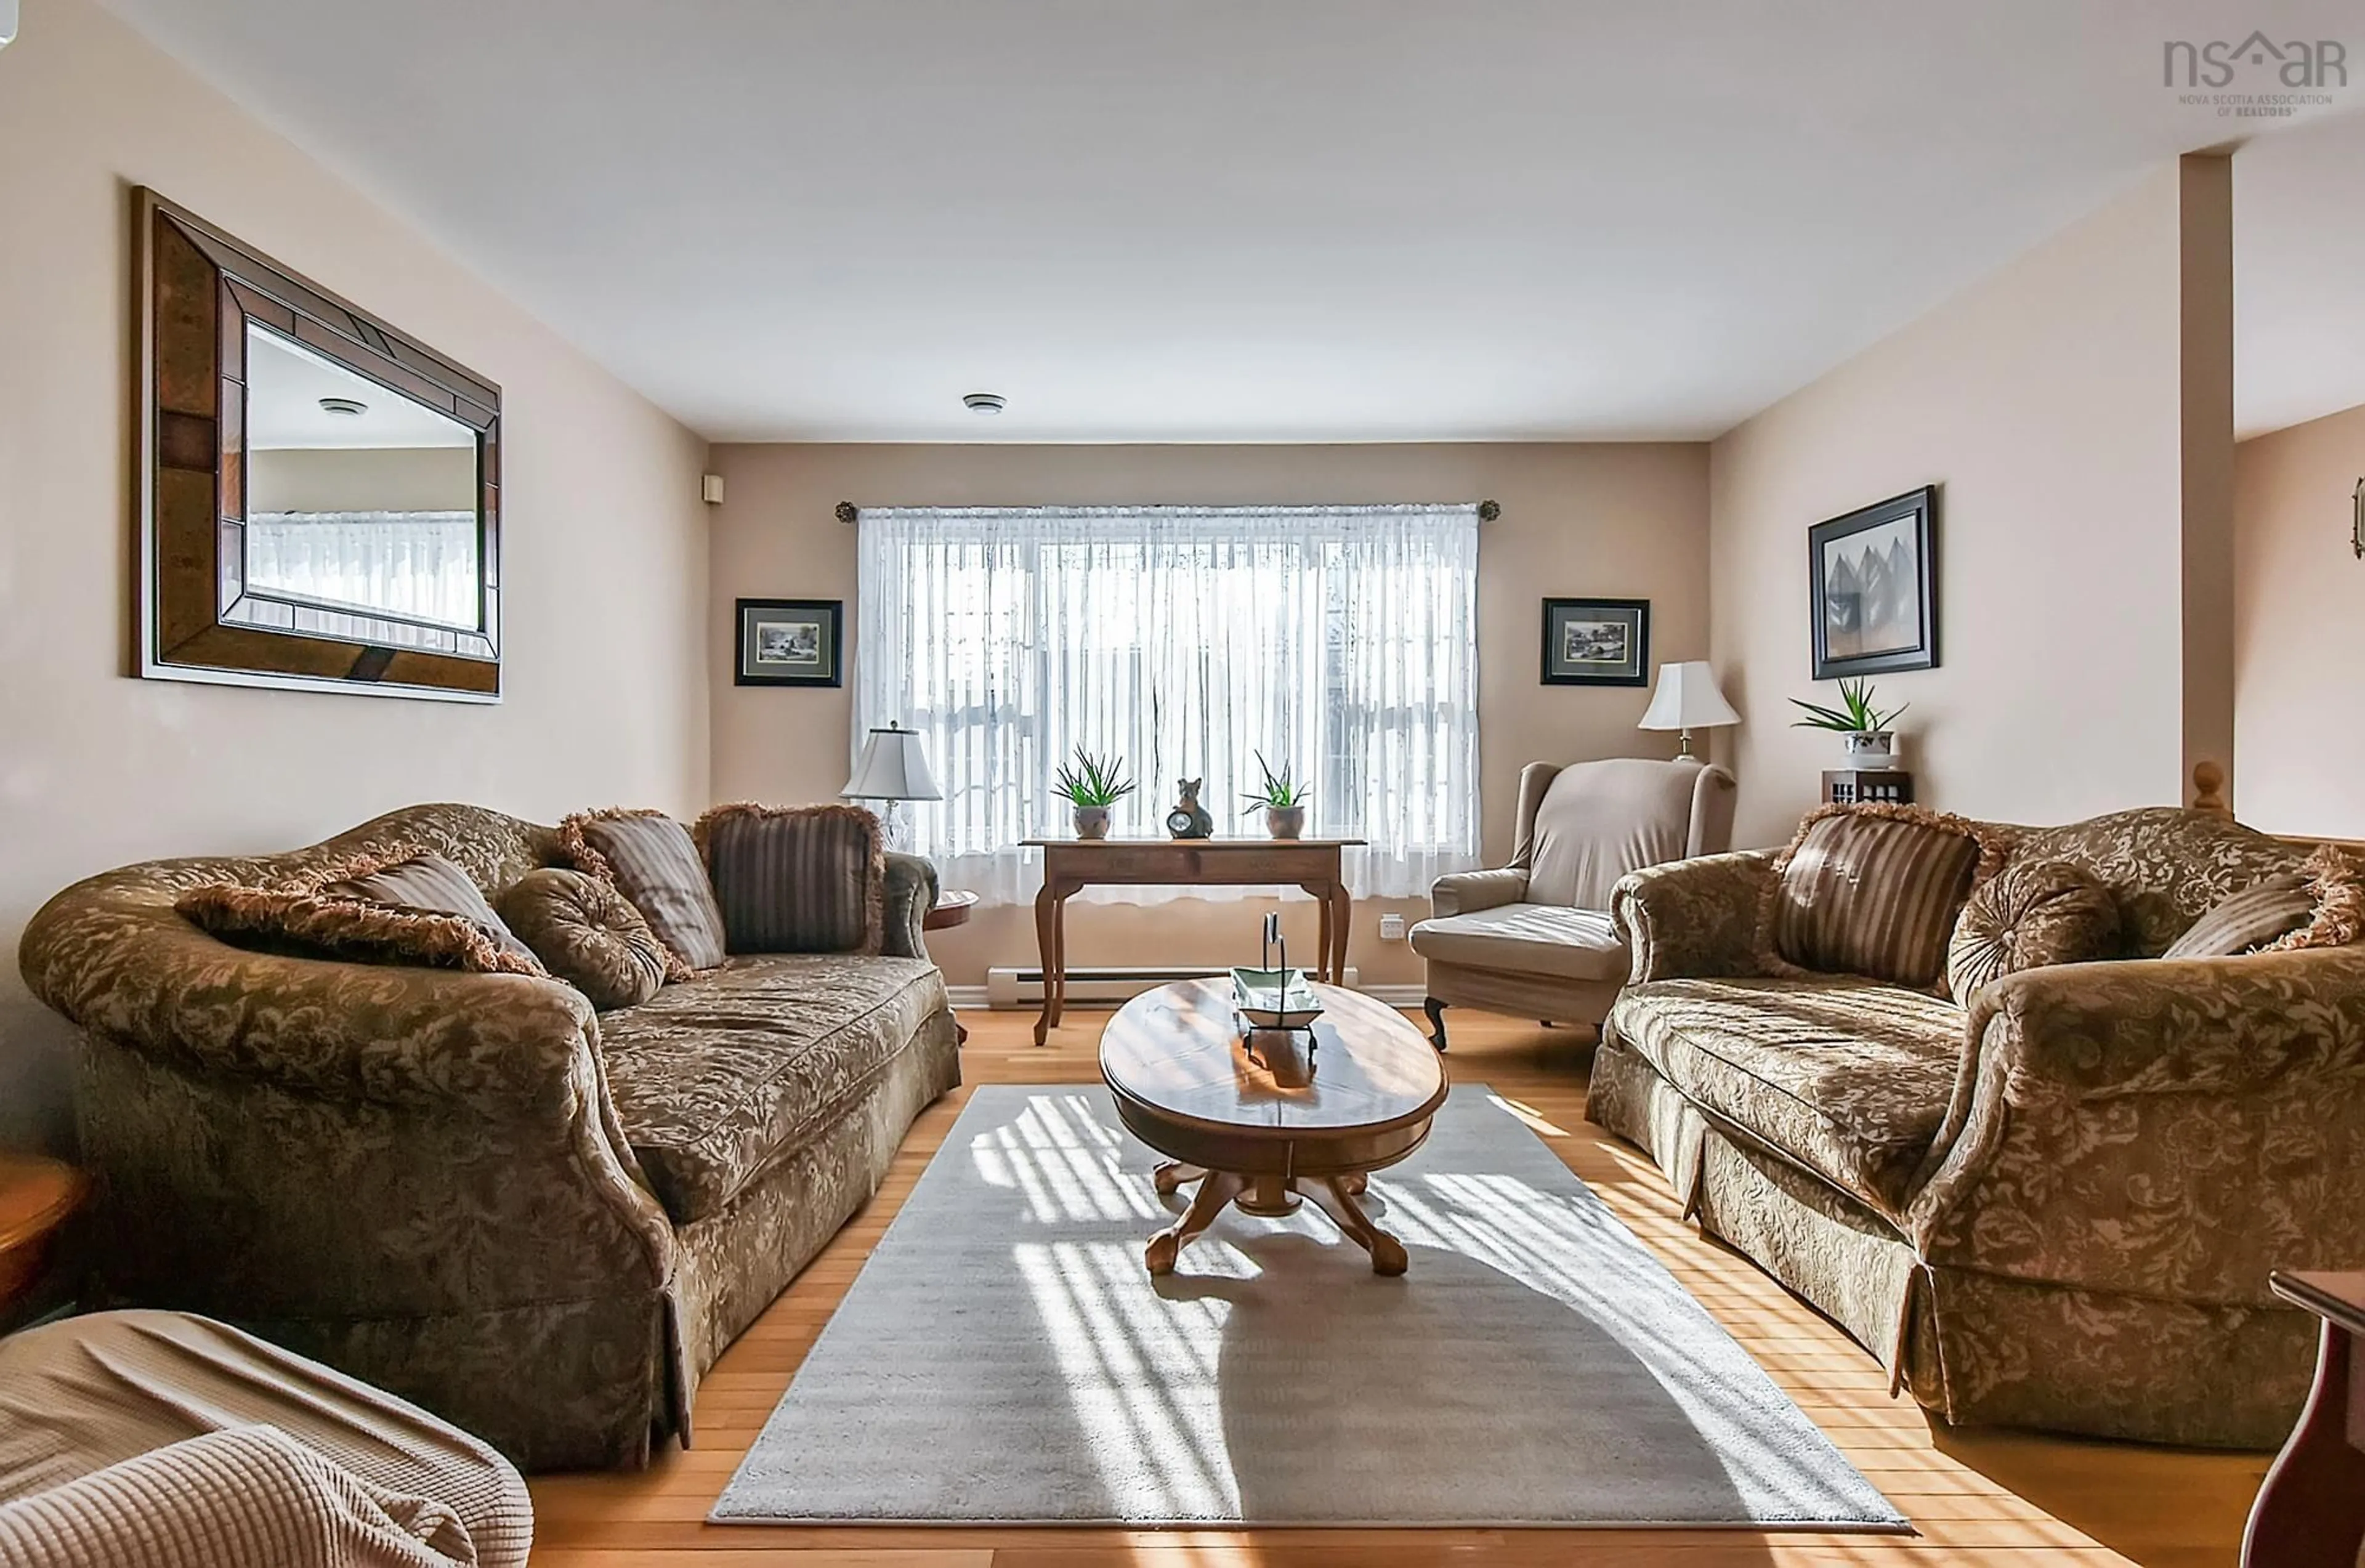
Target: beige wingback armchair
1535 937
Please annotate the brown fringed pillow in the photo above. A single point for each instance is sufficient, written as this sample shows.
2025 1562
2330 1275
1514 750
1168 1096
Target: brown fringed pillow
649 858
797 878
2030 915
587 934
404 908
1874 890
2244 922
2335 879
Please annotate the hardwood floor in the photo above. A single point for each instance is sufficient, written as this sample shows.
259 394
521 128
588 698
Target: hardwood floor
1975 1497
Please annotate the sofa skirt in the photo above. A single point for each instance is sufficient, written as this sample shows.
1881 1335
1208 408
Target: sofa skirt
1973 1348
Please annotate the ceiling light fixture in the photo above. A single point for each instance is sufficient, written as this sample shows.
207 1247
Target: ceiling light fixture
344 406
982 402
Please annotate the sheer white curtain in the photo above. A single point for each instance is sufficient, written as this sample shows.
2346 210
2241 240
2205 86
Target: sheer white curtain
419 563
1341 641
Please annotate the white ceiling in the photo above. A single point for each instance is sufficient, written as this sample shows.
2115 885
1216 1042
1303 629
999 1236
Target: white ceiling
2299 271
285 383
1236 219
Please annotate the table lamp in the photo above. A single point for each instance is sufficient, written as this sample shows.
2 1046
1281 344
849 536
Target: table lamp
894 769
1687 699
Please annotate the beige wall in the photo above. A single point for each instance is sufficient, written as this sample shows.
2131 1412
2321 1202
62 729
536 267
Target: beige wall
2049 403
2300 630
1629 520
605 560
362 478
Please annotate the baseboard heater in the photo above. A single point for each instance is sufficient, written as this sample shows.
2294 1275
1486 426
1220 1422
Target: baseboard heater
1023 988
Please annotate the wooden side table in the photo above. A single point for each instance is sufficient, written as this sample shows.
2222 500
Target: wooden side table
1857 786
36 1196
2311 1512
953 907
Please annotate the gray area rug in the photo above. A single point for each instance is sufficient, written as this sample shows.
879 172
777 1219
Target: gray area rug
1003 1356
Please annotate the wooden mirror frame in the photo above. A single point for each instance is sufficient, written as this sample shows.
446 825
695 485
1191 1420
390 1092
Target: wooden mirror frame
198 617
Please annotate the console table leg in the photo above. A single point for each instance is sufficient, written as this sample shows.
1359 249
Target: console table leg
1343 922
2311 1512
1050 958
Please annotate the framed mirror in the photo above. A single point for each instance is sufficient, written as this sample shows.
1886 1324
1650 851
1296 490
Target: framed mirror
319 495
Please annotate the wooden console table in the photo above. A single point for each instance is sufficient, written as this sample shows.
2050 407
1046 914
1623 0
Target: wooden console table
2311 1512
1070 865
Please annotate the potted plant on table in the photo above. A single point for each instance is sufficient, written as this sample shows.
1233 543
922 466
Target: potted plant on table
1863 726
1282 799
1091 786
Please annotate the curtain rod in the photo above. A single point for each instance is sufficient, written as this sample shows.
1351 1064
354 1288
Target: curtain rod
847 511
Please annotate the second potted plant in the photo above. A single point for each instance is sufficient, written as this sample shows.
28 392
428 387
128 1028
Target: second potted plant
1283 802
1863 727
1091 786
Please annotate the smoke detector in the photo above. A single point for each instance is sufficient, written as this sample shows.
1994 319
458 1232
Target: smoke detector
984 402
346 406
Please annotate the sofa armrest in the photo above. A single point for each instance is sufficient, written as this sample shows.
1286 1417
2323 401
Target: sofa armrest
1467 893
1695 919
2169 1128
124 965
911 894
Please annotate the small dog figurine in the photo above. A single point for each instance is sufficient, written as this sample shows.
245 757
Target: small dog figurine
1188 818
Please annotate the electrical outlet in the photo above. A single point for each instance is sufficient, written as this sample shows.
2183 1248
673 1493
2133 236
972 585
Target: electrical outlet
1392 928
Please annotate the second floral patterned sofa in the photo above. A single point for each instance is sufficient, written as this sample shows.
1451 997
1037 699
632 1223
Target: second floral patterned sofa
2053 1203
540 1221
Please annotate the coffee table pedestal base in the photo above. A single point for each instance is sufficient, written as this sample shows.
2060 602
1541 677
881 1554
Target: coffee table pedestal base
1268 1197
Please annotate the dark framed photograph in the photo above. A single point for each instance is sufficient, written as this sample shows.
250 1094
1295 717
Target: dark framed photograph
1874 577
1596 642
791 642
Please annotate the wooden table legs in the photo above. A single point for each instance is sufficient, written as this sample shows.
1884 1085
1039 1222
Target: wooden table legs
1052 948
2311 1512
1336 912
1337 1197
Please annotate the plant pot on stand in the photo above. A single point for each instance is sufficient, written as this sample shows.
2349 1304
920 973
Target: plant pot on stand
1869 751
1285 821
1091 821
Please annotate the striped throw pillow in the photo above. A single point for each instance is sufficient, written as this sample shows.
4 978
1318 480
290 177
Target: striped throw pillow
1866 890
2251 918
649 858
430 882
797 878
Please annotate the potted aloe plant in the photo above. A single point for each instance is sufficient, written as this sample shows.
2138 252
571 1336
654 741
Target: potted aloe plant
1863 726
1091 786
1282 799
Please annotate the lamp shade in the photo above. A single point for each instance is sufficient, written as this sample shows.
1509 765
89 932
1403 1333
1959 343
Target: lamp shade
894 766
1687 699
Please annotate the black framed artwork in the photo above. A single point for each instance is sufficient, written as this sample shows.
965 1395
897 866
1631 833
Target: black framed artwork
1873 576
791 642
1596 642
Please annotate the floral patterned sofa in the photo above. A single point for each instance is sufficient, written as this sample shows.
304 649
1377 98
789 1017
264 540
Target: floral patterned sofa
2056 1208
438 1181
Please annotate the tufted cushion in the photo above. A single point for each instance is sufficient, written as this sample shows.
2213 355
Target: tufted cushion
1873 891
2251 918
649 858
1848 1078
2031 913
587 934
796 878
716 1082
1526 938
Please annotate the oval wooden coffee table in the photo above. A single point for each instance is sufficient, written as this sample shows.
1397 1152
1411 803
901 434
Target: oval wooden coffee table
1261 1127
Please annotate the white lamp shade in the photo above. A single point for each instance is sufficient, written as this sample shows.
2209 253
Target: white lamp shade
894 766
1687 699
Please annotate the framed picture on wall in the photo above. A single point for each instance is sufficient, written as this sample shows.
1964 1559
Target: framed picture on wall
791 642
1596 642
1874 579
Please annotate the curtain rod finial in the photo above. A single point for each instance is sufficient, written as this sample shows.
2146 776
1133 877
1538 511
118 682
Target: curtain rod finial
1490 511
847 511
